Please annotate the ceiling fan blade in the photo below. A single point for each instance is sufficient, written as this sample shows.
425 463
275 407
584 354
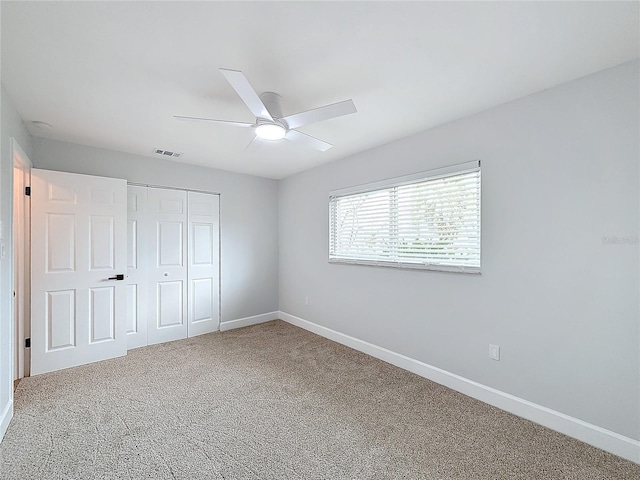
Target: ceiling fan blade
236 124
246 92
308 140
253 145
322 113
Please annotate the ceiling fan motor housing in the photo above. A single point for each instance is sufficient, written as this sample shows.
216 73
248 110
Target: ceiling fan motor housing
273 102
267 129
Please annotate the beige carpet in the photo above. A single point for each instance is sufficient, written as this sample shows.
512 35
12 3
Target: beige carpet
274 402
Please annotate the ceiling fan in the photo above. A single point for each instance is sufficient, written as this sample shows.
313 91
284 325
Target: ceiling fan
270 124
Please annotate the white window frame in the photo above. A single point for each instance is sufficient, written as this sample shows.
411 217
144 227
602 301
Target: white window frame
435 174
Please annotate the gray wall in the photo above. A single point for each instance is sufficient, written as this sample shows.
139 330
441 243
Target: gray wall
10 126
560 171
248 215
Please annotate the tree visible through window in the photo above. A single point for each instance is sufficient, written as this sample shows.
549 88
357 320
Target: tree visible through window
430 222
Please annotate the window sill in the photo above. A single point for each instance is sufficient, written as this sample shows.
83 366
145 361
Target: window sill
408 266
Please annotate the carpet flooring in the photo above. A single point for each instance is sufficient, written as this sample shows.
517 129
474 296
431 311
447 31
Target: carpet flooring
273 401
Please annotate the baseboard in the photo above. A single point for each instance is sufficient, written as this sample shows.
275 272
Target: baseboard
247 321
586 432
7 413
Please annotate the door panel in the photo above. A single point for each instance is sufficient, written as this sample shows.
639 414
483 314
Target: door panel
171 205
61 319
60 242
132 244
170 311
102 243
101 196
202 299
204 265
137 253
102 314
78 227
62 192
167 271
170 248
132 309
202 244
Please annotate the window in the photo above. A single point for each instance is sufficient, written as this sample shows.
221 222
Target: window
429 221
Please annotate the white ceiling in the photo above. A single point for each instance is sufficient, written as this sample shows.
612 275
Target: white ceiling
113 74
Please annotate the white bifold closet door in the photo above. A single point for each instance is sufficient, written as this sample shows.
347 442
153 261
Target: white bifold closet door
78 252
203 272
173 274
167 268
137 253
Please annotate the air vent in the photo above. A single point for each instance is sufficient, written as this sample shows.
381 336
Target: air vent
167 153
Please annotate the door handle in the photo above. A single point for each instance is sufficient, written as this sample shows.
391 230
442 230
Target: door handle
120 276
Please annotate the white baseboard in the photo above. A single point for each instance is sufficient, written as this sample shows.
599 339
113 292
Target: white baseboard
247 321
586 432
5 417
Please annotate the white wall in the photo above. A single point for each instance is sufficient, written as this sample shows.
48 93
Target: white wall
562 303
248 215
560 171
10 126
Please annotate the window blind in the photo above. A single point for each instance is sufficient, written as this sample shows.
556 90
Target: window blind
431 222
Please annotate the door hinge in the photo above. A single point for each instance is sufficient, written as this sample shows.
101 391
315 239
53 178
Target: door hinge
27 191
27 343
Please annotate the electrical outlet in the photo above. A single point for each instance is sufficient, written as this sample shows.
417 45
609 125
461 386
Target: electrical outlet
494 352
306 300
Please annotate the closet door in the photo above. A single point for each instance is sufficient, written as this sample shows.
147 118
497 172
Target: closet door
203 254
137 253
167 269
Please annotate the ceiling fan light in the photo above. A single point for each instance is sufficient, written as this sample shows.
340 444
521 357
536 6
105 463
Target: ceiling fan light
270 131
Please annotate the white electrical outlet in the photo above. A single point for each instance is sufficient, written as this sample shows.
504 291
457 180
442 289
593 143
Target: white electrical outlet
306 300
494 352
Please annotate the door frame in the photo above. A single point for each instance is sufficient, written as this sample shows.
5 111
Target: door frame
21 262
